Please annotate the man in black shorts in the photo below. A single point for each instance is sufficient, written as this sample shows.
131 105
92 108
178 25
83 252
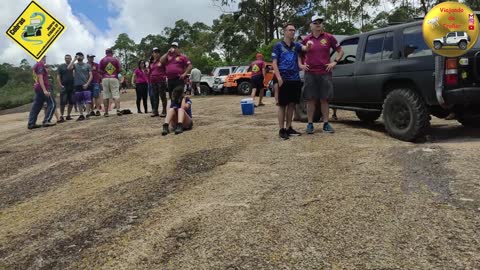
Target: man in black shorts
65 82
257 68
285 66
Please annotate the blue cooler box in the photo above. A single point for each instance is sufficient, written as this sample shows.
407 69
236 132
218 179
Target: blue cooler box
247 105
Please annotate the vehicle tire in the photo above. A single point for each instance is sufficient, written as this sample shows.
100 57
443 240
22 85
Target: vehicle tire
301 112
470 122
205 90
462 45
405 115
437 45
245 88
368 117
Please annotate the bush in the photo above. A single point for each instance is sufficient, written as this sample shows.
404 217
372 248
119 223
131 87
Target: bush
15 94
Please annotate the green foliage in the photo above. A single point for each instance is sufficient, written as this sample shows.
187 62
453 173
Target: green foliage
15 94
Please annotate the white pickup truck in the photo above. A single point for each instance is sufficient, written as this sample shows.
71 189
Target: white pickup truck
214 83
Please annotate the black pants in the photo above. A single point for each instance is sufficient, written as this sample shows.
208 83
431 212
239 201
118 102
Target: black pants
142 94
159 90
173 83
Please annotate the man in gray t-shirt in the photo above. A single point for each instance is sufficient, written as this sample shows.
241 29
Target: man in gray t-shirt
82 76
195 77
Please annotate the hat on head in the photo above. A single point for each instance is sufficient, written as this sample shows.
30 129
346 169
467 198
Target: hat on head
79 54
317 17
90 55
174 44
155 49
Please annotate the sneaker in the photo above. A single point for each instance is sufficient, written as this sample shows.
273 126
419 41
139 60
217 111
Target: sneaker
310 129
34 126
179 128
165 130
105 114
283 134
68 118
81 118
163 115
61 120
48 124
139 112
97 113
92 113
119 113
261 104
293 132
334 117
328 128
155 115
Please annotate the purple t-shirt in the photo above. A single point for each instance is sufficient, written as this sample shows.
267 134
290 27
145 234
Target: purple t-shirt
39 69
176 65
94 67
110 67
157 72
319 54
140 76
257 67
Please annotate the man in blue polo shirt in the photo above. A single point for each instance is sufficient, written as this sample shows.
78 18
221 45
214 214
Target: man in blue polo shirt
286 69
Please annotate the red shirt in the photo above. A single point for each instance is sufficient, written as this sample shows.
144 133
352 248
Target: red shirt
39 69
319 54
176 65
140 76
95 72
110 67
157 73
257 67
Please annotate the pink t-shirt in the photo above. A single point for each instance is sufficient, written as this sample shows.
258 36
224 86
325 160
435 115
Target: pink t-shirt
95 72
176 65
140 76
157 72
39 69
257 67
319 54
110 67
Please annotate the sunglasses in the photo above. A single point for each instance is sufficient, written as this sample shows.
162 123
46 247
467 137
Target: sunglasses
317 22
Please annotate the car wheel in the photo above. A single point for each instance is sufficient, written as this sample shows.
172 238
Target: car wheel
437 45
205 90
245 88
462 44
368 117
405 115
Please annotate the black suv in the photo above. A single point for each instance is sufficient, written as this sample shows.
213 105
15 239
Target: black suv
392 71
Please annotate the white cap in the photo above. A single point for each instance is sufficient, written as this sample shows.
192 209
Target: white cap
174 44
154 49
316 17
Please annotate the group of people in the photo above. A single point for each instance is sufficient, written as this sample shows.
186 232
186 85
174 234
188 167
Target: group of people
81 82
312 56
86 84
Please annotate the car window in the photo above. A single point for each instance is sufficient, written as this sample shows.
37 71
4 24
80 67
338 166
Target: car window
373 50
387 52
223 72
413 43
349 47
451 34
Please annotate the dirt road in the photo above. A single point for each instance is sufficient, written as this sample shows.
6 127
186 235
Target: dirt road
112 193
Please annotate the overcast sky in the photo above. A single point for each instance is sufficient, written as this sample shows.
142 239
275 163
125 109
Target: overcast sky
93 25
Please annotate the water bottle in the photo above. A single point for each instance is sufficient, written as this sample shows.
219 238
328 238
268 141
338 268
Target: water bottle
269 93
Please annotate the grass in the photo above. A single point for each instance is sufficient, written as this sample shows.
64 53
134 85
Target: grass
14 95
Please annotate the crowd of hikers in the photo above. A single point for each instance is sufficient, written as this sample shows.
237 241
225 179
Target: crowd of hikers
86 84
92 87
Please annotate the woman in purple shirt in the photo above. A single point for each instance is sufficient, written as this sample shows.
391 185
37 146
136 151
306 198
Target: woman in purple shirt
140 82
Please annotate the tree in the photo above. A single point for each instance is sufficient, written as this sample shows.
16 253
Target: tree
24 65
124 47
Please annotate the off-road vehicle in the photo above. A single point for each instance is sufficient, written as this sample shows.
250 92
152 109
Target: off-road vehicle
457 38
391 71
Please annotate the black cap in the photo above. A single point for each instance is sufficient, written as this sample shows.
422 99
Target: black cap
79 54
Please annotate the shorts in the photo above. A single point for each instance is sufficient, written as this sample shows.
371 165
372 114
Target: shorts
257 82
289 92
275 80
318 86
67 95
173 83
95 90
83 97
111 88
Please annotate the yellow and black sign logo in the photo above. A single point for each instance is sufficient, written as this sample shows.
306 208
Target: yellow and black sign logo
450 29
35 30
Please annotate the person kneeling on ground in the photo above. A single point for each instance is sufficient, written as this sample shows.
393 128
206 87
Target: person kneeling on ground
179 115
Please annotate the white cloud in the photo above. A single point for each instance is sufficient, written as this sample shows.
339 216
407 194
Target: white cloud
137 18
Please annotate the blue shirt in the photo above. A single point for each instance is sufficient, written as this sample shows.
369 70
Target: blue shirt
187 101
287 60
